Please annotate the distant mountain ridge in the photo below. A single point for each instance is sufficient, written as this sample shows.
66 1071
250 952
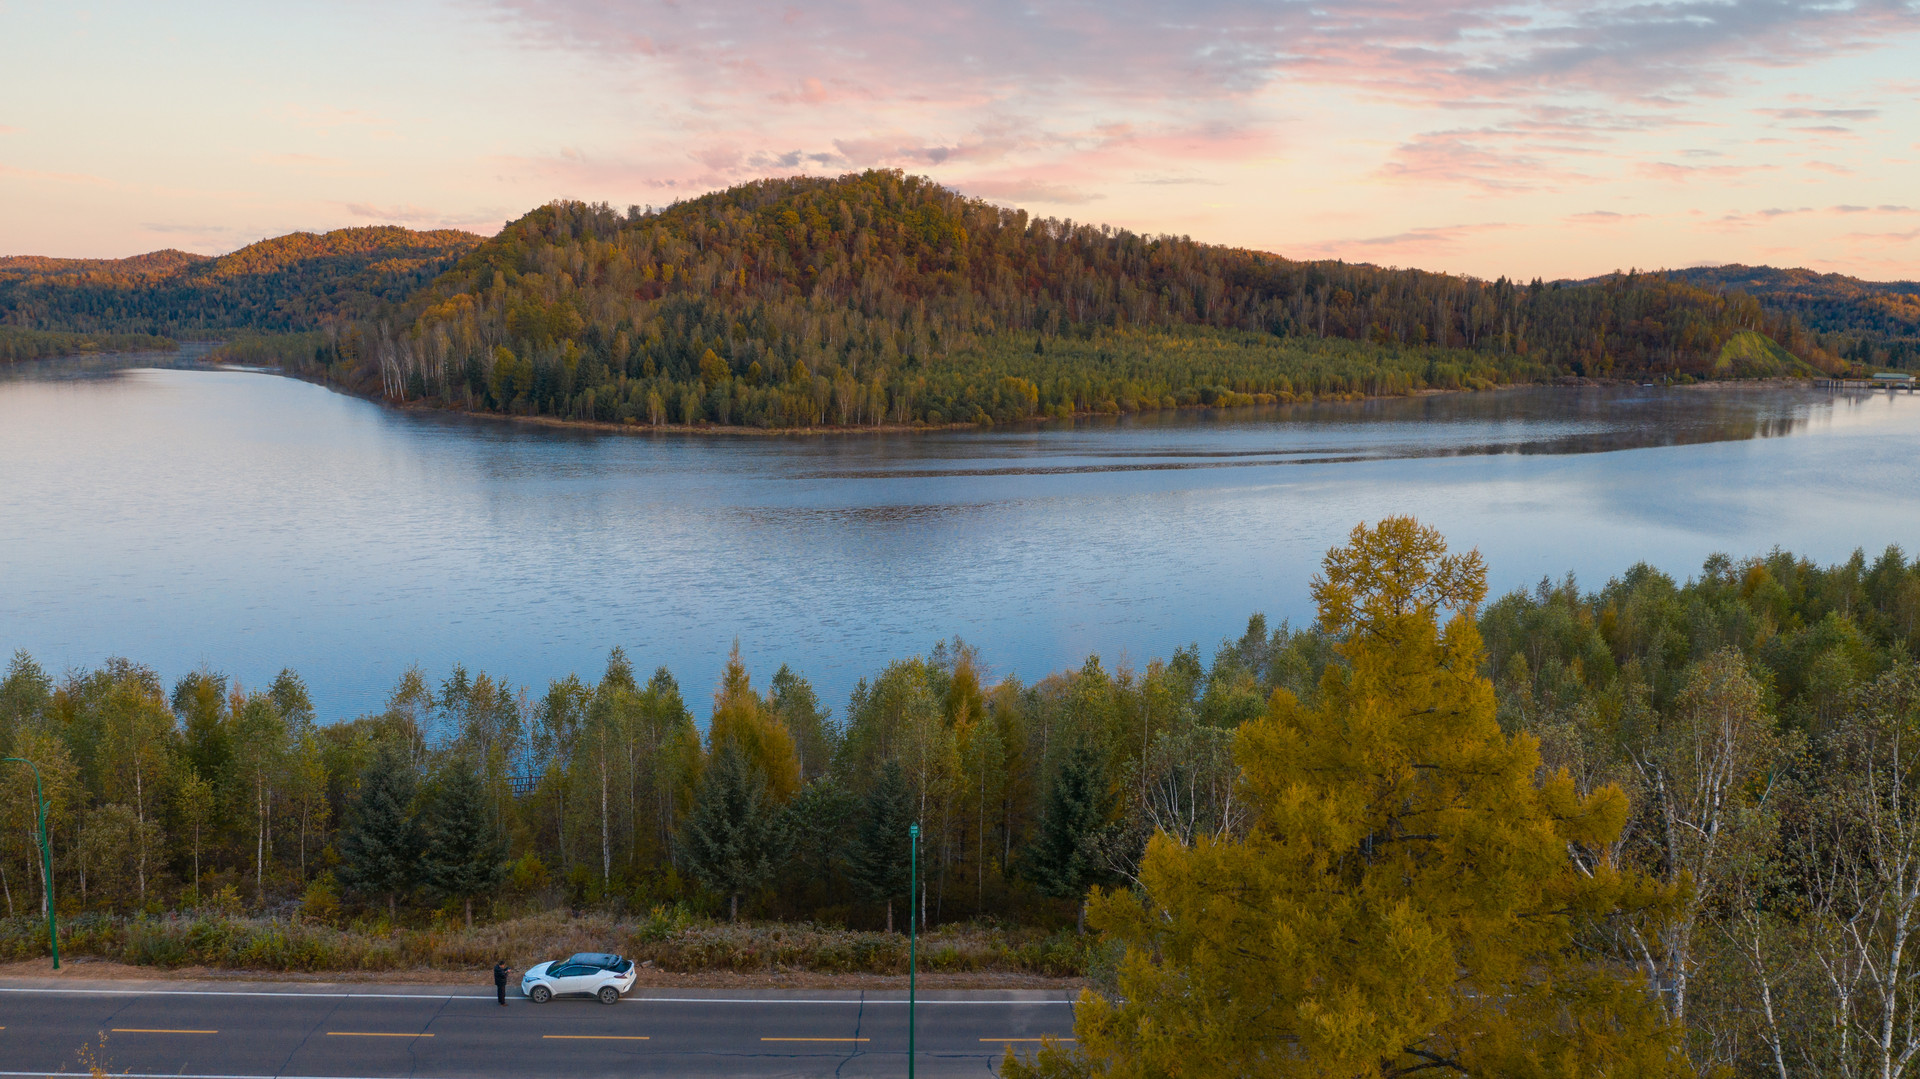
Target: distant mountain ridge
297 282
1869 322
153 263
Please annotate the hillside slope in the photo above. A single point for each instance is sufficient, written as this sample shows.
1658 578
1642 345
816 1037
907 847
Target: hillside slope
289 283
881 297
1870 322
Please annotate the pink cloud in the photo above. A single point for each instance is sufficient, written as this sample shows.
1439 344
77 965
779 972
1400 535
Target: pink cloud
488 220
1027 191
1426 241
1667 170
1602 217
1885 237
1140 49
1050 92
1489 159
1824 115
82 178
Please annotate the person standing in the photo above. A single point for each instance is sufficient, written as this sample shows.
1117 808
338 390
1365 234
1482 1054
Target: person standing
500 980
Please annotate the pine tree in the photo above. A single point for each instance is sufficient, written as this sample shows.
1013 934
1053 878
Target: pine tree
879 861
466 854
796 705
1064 860
735 838
380 845
817 823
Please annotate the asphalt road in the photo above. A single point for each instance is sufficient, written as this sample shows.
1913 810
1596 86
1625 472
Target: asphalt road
365 1032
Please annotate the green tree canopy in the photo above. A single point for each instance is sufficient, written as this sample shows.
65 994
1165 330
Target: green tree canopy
465 853
735 838
380 846
1065 859
879 860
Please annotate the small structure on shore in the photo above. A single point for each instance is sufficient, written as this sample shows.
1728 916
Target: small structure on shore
1891 381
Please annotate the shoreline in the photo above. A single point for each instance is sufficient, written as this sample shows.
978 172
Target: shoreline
1031 424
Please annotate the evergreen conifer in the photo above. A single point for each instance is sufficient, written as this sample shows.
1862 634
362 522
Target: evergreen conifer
736 837
466 855
881 853
380 846
1064 860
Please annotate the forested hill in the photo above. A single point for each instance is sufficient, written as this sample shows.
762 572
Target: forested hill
290 283
881 297
1869 322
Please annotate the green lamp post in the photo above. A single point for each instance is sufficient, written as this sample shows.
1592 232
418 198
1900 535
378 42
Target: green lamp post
46 857
913 932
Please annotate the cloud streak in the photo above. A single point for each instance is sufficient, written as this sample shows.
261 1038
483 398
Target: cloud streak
1022 87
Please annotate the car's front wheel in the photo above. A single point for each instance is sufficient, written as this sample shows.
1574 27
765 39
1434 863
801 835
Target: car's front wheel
541 994
609 995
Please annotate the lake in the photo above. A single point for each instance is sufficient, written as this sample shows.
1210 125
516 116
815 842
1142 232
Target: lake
184 517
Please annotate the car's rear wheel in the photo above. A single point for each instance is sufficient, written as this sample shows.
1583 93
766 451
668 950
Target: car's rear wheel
541 994
609 995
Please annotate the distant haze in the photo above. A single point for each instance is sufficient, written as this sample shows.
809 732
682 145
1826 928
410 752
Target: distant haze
1560 139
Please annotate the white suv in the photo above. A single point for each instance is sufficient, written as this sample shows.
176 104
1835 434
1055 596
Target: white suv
592 973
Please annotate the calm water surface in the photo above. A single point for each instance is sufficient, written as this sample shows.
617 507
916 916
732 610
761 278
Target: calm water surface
183 517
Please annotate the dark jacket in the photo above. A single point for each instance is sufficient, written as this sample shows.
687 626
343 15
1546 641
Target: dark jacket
499 974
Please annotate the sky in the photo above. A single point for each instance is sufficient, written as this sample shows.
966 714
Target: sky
1563 138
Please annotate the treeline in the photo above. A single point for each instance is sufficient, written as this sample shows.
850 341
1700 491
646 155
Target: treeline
1755 724
880 297
1755 719
35 345
291 283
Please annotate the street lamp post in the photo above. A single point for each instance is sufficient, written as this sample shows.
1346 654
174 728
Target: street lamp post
46 857
913 933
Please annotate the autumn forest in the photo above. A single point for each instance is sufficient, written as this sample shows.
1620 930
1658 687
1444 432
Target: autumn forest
881 299
1722 760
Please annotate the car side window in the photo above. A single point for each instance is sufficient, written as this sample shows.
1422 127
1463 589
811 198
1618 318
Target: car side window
569 971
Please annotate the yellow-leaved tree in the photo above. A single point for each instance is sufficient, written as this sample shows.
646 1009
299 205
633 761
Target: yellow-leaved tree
1403 900
741 719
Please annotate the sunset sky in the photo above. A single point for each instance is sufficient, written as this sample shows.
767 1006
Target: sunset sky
1560 139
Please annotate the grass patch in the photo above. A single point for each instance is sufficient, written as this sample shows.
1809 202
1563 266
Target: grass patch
1748 354
671 938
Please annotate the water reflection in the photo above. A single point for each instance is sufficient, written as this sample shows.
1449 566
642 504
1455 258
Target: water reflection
246 521
101 365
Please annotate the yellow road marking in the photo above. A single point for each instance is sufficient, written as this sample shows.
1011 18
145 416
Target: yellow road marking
598 1037
372 1034
1026 1039
815 1039
149 1030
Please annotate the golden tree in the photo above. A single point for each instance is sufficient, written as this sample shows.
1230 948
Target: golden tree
741 719
1403 900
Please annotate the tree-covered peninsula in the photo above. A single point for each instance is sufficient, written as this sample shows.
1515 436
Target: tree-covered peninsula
881 298
39 345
